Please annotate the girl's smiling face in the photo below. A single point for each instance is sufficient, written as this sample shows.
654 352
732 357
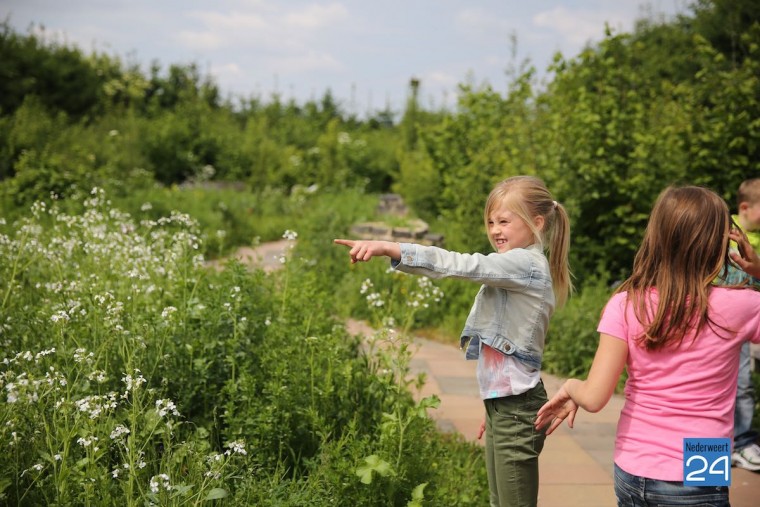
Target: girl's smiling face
507 230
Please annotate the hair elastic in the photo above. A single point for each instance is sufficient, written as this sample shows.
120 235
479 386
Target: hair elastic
554 203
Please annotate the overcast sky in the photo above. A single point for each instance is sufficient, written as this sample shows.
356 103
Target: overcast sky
364 51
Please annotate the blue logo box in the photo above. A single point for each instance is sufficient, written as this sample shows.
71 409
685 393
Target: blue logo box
707 461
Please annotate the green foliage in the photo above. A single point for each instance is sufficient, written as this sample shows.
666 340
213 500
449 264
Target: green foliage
57 74
572 339
134 374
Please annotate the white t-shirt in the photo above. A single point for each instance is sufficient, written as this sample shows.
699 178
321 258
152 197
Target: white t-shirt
502 375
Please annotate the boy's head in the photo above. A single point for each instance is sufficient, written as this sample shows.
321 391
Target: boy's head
748 204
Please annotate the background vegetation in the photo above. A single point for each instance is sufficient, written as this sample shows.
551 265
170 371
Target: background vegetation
102 289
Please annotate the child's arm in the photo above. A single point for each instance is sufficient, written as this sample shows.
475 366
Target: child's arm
364 250
747 258
591 394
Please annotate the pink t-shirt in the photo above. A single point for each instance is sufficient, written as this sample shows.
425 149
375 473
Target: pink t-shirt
684 392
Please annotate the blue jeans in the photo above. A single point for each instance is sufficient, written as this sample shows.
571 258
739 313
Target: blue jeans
745 403
635 491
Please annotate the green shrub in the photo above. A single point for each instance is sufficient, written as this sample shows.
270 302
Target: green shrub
572 340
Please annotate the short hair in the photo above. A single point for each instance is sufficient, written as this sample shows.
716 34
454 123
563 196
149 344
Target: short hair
749 192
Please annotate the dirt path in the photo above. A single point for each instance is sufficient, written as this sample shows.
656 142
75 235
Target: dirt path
266 256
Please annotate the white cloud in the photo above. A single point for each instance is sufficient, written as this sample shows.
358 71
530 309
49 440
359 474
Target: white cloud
207 40
226 70
305 61
480 24
271 37
576 27
440 79
317 16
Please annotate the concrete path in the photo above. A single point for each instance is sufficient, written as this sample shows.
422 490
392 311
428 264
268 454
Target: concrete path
575 465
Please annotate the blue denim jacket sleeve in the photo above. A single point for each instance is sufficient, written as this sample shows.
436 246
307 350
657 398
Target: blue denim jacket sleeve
511 270
734 276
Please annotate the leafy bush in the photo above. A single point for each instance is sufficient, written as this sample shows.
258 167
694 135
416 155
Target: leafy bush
135 375
573 338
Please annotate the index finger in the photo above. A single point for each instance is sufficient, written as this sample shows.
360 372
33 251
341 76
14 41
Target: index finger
346 242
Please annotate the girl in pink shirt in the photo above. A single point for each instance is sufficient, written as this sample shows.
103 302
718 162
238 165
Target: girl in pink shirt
679 337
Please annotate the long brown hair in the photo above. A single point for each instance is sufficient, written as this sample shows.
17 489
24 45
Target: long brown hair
685 247
528 197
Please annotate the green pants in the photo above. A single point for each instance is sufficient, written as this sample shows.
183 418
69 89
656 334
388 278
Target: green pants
512 448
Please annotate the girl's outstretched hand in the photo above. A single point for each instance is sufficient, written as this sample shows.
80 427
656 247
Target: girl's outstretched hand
747 258
556 410
364 250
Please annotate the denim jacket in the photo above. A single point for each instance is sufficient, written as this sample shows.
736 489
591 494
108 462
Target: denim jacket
512 309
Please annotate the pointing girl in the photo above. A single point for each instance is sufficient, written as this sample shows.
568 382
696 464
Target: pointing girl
507 325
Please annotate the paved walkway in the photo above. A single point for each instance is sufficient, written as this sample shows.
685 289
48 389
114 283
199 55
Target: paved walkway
575 465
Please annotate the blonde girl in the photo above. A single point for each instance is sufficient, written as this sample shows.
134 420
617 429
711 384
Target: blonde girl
506 328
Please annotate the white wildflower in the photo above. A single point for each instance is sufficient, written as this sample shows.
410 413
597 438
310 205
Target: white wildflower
86 442
81 355
60 316
98 376
374 299
133 382
160 481
236 447
43 353
166 406
119 431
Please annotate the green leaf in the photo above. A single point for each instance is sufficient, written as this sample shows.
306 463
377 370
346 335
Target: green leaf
432 401
182 490
216 494
417 496
373 463
365 474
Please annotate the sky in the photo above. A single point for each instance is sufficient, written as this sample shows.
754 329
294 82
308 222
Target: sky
364 51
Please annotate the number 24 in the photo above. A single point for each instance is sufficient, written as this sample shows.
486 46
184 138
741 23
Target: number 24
696 475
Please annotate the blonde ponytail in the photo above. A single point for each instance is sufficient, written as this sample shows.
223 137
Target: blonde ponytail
559 249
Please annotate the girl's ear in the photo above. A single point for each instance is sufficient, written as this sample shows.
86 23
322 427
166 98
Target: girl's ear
539 221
